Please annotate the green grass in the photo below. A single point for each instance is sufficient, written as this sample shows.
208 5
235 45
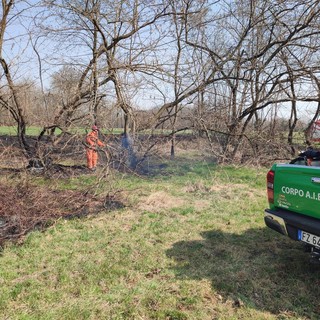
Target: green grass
191 244
34 130
12 130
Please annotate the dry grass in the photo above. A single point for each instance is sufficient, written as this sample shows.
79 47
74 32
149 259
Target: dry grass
160 201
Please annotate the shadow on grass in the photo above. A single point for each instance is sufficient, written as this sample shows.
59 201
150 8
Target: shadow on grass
258 267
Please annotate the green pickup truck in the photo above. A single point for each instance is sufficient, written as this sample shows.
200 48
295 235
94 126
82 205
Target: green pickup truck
294 201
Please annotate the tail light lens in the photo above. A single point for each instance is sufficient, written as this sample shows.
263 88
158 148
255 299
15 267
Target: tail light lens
270 189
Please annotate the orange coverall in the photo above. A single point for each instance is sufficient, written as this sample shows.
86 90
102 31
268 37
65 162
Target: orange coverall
93 142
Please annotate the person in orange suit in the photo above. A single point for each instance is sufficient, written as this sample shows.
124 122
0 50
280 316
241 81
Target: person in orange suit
92 144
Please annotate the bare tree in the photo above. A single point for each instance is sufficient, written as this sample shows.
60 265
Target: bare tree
235 61
9 95
247 60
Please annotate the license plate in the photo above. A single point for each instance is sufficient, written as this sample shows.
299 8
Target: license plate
309 238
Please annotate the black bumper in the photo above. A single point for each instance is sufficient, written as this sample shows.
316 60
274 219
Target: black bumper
288 223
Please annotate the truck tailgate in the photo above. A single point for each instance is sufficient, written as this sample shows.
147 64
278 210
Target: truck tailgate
297 188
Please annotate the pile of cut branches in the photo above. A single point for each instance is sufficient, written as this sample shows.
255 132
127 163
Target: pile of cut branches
24 207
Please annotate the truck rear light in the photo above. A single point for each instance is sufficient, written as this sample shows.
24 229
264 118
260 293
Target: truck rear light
270 187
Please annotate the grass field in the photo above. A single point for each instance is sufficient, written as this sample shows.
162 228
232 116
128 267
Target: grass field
35 130
190 244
